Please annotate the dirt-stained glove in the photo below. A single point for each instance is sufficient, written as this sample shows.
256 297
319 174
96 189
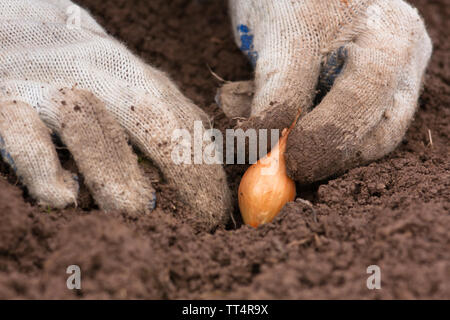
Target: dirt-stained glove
369 55
62 71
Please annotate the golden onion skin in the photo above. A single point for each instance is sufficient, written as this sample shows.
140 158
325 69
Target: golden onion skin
263 191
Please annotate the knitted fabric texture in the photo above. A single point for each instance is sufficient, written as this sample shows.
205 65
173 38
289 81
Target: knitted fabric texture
50 46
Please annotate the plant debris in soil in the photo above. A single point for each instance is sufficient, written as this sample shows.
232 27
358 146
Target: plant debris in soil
393 213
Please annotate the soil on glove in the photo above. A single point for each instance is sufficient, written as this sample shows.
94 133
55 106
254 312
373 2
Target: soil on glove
393 213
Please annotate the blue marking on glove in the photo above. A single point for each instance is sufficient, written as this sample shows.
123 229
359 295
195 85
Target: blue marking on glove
247 43
6 156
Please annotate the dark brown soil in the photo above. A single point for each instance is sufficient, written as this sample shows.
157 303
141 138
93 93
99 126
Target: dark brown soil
393 213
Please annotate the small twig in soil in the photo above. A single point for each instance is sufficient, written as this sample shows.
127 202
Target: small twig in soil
239 120
309 204
233 219
212 122
215 75
430 144
317 240
299 242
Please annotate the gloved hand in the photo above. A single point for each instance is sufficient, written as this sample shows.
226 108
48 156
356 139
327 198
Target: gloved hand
95 95
369 55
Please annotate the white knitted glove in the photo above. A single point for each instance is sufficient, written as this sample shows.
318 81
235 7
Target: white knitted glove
91 91
369 55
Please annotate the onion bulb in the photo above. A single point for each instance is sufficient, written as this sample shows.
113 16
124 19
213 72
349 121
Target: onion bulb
265 187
